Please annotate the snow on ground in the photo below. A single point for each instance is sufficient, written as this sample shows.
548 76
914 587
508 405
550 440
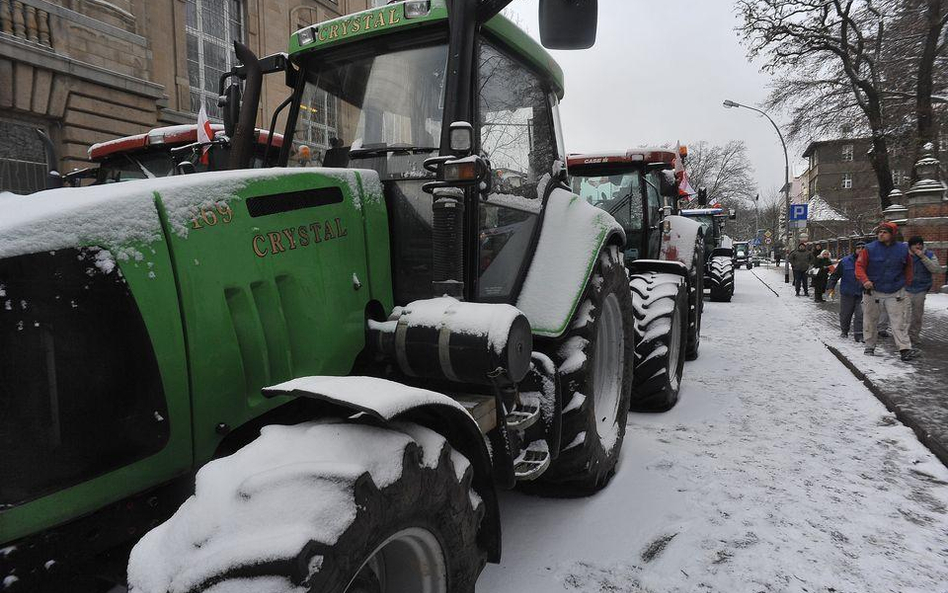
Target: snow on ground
777 471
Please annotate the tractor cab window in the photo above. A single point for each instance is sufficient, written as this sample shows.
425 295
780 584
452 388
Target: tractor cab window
619 194
380 112
515 130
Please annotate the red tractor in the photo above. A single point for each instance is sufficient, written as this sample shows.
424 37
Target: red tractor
638 187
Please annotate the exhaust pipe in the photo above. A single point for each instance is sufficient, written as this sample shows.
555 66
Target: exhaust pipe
241 144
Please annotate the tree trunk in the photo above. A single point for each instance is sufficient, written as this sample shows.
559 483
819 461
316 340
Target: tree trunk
927 132
879 155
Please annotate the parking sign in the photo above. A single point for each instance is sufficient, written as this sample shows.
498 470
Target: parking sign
798 211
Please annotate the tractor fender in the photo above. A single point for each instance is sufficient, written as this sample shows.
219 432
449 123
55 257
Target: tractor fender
678 244
573 233
659 265
389 401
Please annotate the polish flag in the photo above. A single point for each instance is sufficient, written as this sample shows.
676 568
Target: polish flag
204 133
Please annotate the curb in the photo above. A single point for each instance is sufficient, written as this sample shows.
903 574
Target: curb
926 439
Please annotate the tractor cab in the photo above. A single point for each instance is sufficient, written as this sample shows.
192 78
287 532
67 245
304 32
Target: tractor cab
634 187
164 151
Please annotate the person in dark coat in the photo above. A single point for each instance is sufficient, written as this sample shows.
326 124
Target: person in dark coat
821 273
850 294
800 261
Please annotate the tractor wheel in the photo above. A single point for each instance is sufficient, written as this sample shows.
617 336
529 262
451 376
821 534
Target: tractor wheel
695 301
325 506
661 303
594 361
722 278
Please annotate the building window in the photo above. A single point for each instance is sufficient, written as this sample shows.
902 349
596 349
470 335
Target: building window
212 27
23 164
899 177
847 180
847 152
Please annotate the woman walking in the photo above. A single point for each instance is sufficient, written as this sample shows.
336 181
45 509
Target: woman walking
821 267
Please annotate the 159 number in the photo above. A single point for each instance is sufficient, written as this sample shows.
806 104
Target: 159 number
205 217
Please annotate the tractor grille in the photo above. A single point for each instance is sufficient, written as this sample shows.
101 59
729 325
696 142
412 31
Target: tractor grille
80 392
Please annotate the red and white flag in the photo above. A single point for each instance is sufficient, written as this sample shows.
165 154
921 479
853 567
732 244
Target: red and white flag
685 190
204 133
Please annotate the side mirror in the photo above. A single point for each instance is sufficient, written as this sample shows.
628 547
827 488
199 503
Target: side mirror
568 24
702 196
229 102
669 186
732 214
560 173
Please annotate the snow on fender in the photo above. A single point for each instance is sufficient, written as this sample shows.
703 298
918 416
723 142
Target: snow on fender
679 243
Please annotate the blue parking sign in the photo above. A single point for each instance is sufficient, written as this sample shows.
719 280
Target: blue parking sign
798 211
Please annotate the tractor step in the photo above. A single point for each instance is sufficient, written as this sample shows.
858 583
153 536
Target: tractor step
532 462
526 415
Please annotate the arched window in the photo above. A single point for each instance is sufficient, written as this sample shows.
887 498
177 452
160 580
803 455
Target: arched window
212 27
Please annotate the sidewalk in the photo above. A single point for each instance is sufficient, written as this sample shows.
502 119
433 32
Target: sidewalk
917 392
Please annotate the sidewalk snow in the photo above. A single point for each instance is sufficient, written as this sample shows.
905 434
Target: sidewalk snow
777 471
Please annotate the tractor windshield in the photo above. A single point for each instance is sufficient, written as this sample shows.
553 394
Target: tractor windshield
379 112
620 194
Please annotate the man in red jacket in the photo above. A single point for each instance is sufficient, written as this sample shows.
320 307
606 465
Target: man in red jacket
884 268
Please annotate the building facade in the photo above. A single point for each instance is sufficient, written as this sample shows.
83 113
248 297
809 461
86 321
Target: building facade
841 175
86 71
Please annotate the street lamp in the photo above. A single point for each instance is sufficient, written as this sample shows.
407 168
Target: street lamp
728 104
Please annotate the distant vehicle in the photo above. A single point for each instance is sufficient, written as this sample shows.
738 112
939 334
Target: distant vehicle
161 152
742 254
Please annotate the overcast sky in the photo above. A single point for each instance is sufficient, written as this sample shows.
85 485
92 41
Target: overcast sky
658 74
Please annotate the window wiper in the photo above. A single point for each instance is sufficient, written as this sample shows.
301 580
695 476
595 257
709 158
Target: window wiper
393 149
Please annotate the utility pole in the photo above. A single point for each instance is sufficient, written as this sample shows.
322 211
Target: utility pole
786 176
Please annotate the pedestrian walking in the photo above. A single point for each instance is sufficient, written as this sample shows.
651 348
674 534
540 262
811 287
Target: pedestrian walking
850 294
924 264
820 275
884 268
800 261
777 255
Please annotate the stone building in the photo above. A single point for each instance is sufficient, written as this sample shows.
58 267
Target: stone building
85 71
841 175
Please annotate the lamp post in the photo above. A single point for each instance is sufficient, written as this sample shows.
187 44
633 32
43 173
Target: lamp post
786 176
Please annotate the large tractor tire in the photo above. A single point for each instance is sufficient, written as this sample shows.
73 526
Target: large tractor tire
661 324
695 301
722 278
594 361
328 506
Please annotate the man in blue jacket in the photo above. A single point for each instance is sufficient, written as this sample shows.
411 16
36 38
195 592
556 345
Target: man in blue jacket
924 264
850 293
884 268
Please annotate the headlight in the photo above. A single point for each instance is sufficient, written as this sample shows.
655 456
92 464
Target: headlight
306 36
417 8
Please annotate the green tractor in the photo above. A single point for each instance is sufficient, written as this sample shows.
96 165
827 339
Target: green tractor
317 375
719 266
664 253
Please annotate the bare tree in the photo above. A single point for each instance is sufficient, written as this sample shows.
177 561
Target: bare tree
724 170
834 41
873 64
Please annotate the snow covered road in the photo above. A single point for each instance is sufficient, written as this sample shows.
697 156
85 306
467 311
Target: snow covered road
777 471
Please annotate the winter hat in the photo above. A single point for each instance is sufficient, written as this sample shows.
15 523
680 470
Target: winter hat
889 226
825 253
860 243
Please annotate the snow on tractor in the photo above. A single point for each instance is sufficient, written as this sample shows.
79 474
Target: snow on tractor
334 363
664 253
719 266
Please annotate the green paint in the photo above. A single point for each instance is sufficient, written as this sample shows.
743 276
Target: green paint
227 321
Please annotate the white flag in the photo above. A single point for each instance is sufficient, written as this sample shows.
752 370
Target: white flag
204 131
